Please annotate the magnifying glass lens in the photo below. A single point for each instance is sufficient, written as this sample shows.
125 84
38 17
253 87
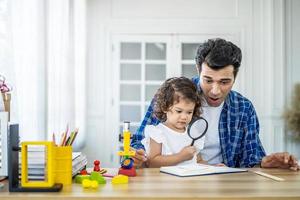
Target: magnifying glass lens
198 128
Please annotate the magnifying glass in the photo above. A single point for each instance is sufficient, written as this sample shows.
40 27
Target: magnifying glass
197 129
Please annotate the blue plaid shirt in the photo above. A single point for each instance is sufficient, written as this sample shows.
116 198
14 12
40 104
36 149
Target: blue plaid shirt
238 131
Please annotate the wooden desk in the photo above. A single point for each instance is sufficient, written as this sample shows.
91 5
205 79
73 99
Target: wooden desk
151 184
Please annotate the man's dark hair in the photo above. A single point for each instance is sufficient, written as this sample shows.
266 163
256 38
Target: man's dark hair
173 90
217 54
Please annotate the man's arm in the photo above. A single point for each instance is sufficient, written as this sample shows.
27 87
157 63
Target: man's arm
149 119
254 154
252 149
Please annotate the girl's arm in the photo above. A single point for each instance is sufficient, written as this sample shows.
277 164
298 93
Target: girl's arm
155 159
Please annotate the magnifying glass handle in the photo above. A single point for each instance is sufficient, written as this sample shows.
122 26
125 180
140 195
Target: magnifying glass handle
192 143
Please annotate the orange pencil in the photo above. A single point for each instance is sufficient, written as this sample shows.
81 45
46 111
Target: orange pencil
63 139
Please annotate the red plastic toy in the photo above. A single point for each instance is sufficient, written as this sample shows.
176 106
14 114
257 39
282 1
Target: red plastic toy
97 166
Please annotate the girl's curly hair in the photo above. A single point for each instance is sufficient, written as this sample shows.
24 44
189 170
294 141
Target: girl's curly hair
171 91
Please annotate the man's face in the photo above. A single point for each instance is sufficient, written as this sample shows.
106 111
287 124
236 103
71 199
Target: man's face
216 84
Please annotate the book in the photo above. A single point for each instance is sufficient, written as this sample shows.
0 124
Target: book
198 170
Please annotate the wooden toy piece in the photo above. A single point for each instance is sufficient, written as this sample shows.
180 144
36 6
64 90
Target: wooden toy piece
86 183
127 162
119 179
97 177
96 165
127 167
126 145
80 178
89 184
94 184
83 172
102 171
128 172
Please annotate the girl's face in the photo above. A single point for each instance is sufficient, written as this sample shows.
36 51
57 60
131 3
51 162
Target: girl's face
180 115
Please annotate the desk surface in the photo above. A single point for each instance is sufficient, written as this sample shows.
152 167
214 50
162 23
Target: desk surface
151 184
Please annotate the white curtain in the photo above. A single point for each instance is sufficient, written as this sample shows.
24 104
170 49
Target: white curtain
28 67
66 67
5 46
48 42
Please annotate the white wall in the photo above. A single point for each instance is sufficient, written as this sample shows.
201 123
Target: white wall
257 26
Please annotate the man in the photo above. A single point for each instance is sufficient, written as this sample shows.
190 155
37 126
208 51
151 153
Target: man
232 137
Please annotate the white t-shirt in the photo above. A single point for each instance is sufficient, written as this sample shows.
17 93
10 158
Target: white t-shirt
172 142
212 148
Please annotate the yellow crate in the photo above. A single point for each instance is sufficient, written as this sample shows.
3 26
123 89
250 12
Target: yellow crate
58 168
49 176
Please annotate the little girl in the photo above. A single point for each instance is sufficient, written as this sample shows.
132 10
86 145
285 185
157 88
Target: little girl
177 102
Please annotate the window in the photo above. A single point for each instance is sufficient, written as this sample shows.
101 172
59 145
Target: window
188 51
143 63
143 67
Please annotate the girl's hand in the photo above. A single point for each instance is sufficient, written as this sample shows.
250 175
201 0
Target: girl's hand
139 158
187 153
200 160
220 165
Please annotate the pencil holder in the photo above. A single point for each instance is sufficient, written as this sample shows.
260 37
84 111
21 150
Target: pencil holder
63 165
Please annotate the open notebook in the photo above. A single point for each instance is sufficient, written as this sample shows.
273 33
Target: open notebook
198 170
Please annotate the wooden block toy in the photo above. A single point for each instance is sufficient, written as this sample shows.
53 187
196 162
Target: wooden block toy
127 162
119 179
97 177
80 178
83 172
126 145
94 184
127 167
86 183
102 171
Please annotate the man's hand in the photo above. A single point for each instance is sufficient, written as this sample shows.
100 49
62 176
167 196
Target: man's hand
139 158
282 160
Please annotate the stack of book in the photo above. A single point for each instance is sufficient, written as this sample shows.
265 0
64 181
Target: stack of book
37 163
